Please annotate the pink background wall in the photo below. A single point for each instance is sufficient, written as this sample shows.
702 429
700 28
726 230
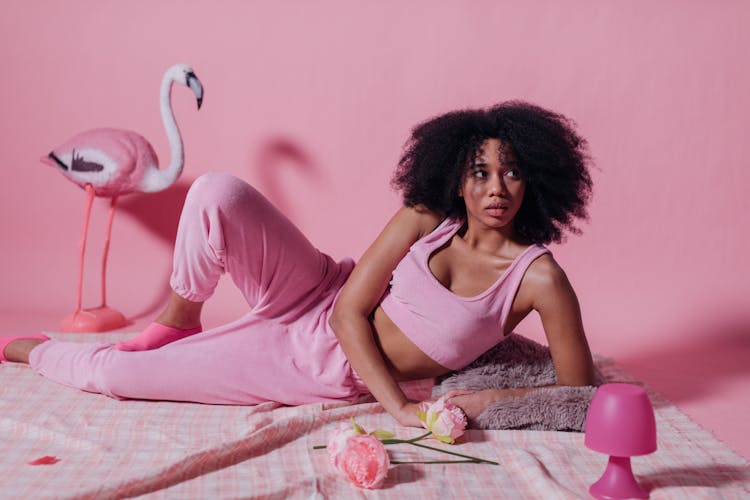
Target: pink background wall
312 103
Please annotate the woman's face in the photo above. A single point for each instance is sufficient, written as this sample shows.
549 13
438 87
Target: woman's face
492 187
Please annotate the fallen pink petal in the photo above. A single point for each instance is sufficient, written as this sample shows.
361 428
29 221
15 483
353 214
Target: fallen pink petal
45 460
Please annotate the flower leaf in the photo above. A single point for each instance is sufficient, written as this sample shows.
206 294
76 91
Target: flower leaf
358 428
381 434
445 439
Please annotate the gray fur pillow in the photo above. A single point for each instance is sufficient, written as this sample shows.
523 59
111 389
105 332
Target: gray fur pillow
521 362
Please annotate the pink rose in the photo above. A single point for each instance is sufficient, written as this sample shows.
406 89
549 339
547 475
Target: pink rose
338 440
444 420
361 457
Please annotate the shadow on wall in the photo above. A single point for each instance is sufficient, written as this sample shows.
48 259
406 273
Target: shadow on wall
274 157
707 357
159 214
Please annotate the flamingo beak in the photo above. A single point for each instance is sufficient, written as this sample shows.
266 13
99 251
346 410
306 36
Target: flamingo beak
195 86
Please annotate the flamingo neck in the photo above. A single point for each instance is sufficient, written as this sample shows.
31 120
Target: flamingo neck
158 179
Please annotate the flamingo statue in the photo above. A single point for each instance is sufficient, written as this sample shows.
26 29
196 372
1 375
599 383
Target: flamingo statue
110 162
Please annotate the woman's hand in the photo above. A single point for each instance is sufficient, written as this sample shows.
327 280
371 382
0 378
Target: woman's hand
474 403
407 415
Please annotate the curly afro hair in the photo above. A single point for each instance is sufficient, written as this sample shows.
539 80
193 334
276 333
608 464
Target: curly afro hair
552 157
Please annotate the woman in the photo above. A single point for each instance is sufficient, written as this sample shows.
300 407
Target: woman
452 273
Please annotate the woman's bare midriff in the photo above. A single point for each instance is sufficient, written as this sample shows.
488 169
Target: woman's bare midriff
405 360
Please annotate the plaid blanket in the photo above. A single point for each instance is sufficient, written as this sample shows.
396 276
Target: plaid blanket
104 448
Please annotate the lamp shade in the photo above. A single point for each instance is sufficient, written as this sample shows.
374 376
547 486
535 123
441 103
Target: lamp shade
620 421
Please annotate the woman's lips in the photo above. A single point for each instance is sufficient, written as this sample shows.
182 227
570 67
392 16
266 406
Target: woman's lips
496 210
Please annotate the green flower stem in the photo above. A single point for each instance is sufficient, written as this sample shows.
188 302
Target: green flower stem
385 441
406 441
419 438
456 454
401 462
413 441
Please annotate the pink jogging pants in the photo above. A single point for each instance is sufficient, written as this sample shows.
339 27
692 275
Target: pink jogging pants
281 350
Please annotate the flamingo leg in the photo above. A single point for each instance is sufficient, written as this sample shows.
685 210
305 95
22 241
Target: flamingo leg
107 238
82 245
98 319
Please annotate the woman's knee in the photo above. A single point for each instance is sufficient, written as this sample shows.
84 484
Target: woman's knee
128 378
115 378
221 190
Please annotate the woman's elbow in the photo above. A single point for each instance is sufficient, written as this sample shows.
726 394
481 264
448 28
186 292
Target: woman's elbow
334 320
340 316
343 318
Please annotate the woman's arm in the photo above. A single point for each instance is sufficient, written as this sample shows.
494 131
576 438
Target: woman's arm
361 295
556 302
547 289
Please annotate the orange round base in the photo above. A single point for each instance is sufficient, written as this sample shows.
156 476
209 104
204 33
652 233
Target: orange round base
98 319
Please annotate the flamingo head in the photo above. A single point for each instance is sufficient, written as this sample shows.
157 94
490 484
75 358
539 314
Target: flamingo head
184 74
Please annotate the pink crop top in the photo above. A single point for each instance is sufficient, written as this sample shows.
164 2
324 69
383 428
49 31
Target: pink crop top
450 329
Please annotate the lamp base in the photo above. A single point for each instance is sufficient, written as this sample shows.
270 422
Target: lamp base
617 481
97 319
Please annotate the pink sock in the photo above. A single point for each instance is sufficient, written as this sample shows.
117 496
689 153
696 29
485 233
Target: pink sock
154 336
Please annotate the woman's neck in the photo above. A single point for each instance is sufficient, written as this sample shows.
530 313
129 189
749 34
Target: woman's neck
487 239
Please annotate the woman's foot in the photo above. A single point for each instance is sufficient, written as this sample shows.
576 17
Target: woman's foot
154 336
180 319
17 349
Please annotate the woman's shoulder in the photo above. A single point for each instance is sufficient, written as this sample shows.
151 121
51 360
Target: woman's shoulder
545 273
545 283
421 217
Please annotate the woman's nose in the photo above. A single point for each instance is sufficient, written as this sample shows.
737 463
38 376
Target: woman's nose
497 185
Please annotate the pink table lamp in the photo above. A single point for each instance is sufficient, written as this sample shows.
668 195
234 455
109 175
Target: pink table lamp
620 422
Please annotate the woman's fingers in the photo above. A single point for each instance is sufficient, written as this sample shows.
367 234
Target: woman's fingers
456 392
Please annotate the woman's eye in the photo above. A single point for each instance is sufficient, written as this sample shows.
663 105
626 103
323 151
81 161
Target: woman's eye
513 173
477 166
479 174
